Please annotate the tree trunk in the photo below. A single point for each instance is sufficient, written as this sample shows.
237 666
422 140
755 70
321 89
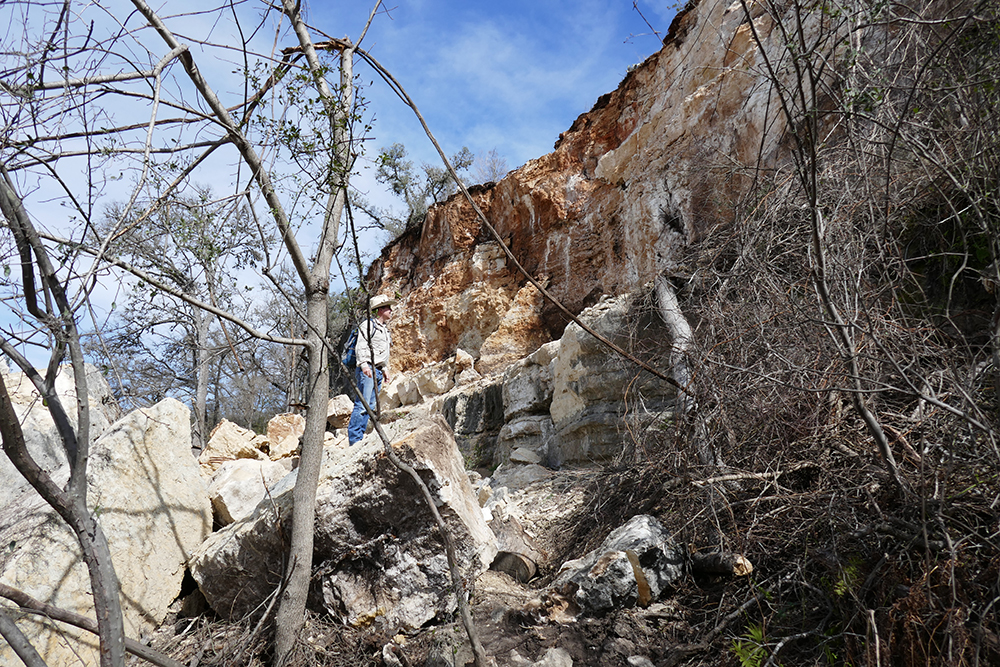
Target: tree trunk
201 324
291 610
22 647
680 332
71 503
292 607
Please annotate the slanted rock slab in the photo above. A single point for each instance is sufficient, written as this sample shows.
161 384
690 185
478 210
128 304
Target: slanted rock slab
151 501
239 485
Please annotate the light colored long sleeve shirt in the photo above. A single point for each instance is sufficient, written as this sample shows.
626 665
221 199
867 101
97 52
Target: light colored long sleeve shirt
377 345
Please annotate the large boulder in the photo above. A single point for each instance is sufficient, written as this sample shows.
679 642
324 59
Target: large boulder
401 391
589 383
465 368
338 412
634 565
527 433
527 384
435 379
475 413
147 492
597 396
40 435
283 434
378 555
527 396
576 401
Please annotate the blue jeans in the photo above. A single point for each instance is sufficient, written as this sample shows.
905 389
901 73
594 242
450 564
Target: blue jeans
369 387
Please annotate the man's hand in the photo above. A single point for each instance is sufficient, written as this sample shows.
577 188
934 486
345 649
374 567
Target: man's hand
366 369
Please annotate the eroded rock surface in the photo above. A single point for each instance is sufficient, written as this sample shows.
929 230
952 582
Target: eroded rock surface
597 396
475 413
653 166
573 400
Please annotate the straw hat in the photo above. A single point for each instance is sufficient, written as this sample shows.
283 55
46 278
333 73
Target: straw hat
381 301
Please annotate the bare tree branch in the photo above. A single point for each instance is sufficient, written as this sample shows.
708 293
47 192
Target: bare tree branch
30 604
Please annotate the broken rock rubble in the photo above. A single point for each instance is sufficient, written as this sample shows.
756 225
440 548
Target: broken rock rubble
378 556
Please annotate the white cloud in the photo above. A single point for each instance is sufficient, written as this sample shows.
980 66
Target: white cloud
510 76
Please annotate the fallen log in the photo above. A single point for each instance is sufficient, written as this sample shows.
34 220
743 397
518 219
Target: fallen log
719 562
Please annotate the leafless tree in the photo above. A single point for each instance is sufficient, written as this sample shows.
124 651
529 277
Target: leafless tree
57 85
159 346
47 302
490 166
844 109
846 314
290 133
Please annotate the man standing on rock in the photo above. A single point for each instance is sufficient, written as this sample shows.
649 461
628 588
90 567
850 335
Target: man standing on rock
372 353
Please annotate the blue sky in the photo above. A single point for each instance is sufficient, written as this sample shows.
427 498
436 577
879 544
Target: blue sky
508 76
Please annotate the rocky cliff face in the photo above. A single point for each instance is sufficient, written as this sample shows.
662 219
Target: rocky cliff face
653 166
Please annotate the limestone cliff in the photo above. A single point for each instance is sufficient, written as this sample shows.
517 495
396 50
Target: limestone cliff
653 166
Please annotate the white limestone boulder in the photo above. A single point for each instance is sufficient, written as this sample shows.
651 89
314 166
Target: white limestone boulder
283 433
465 368
338 412
152 503
40 435
378 557
227 442
463 361
527 384
634 565
239 485
435 379
403 390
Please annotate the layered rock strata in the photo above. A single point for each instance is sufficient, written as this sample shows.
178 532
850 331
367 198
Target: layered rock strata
572 401
654 165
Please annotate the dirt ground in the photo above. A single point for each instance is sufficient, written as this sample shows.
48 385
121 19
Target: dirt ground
514 626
